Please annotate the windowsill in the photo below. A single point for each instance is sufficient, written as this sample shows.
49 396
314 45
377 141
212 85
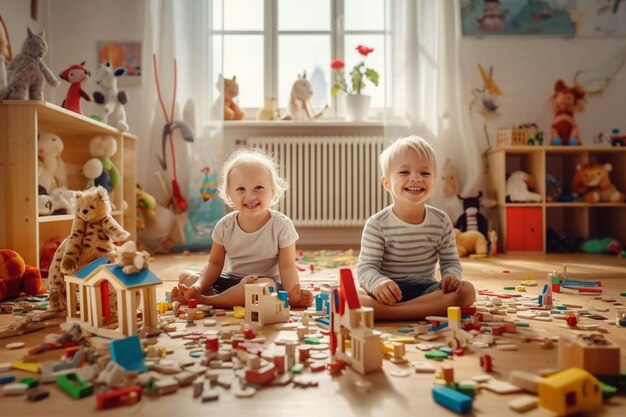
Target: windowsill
320 123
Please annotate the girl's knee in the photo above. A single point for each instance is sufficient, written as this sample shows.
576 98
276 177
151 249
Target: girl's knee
468 294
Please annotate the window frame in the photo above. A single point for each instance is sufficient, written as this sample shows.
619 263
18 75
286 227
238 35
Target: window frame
271 35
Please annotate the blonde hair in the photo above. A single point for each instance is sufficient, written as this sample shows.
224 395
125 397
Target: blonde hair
246 156
400 146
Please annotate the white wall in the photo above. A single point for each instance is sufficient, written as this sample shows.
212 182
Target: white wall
526 70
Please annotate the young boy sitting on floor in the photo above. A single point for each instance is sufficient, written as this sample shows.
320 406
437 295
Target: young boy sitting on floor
402 243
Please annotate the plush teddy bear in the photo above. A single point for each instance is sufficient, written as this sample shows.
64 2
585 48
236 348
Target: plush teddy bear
230 90
592 180
93 232
112 99
17 277
131 260
517 188
470 242
269 111
27 71
51 168
565 102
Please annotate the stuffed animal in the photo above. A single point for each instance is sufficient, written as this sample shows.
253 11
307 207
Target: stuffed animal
592 180
27 71
130 259
269 111
300 102
230 90
58 201
472 219
76 75
470 242
602 246
146 205
565 102
101 169
51 168
17 277
93 232
112 99
517 188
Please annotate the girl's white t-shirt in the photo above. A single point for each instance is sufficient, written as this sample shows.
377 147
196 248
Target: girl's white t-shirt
254 253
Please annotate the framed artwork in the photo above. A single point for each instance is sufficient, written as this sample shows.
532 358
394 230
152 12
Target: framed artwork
126 55
518 17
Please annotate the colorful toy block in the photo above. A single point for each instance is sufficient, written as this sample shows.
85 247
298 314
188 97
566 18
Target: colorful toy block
74 386
452 400
128 353
571 391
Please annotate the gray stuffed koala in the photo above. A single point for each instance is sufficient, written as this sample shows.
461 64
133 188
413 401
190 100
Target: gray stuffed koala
27 71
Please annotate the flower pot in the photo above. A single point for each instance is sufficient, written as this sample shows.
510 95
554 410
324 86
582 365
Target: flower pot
357 107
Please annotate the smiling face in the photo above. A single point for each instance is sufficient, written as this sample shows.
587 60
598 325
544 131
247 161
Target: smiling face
250 189
411 180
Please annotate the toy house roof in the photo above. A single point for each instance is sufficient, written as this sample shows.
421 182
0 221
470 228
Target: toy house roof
142 278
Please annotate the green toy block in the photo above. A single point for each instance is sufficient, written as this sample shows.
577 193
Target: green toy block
554 280
297 368
436 355
561 307
623 294
31 382
509 288
466 389
311 341
73 385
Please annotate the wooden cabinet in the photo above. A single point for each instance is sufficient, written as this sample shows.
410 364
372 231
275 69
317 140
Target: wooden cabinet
518 223
21 228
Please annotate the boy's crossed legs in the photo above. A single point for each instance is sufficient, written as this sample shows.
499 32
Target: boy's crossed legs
434 303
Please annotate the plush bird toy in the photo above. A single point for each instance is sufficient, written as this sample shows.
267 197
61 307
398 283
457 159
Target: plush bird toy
75 75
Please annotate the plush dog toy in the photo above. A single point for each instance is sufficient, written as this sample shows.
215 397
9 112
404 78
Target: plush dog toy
470 242
592 180
517 188
565 102
17 277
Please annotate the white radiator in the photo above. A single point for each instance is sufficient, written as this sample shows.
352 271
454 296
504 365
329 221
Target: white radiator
333 180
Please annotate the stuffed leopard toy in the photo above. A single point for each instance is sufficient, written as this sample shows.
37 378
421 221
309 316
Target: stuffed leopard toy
93 232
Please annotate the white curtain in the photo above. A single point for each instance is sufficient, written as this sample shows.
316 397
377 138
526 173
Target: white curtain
428 90
178 30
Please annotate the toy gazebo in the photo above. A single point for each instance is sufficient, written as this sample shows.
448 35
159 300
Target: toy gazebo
93 299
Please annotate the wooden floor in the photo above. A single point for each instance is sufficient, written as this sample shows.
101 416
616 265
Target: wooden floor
380 393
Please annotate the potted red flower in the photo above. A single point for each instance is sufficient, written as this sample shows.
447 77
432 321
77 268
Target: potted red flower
356 104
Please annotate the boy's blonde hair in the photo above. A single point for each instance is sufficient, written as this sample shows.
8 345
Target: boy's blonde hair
400 146
247 156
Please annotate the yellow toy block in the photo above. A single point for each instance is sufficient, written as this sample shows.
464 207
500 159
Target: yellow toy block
454 313
571 391
520 288
239 312
34 367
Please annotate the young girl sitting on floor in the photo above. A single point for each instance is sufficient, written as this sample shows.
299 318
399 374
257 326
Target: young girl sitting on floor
252 240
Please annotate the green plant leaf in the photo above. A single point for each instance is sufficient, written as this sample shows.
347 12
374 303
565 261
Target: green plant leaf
372 75
335 89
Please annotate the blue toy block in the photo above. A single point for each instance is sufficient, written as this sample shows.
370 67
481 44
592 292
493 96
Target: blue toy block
320 300
452 400
324 321
282 295
440 327
406 330
446 350
128 353
5 379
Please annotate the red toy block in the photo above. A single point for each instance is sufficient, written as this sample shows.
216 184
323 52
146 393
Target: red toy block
119 397
261 376
348 289
249 334
486 363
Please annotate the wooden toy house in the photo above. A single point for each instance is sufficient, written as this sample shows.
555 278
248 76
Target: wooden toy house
263 305
353 338
89 309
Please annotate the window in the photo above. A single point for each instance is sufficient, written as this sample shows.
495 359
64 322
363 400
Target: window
268 43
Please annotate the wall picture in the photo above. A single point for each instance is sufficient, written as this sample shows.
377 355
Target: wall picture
125 55
518 17
601 18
